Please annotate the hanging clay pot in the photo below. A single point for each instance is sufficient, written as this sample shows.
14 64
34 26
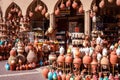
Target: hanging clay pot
68 3
118 2
30 14
110 1
74 4
59 77
47 15
43 11
102 4
57 11
37 8
104 62
62 5
81 9
20 13
40 8
9 16
95 8
113 58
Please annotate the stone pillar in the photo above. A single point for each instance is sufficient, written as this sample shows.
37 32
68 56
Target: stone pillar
87 23
52 25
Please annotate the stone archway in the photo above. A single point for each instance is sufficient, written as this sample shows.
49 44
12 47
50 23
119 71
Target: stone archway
36 13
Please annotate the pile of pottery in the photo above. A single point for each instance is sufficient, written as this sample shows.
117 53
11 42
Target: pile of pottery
86 62
19 61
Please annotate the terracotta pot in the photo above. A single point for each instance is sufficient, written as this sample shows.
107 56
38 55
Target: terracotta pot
68 59
81 9
63 76
60 60
118 2
68 3
57 11
59 77
40 8
104 61
62 6
45 72
87 59
110 1
30 14
77 62
74 5
47 15
68 76
95 8
43 11
20 13
31 57
113 58
102 4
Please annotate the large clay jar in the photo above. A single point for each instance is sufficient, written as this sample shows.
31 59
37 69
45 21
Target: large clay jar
113 58
12 52
31 57
45 72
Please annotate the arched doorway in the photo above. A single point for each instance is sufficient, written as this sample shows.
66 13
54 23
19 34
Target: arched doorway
36 13
12 19
69 16
107 19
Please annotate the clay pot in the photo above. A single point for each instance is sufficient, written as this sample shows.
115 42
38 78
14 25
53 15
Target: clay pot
68 59
62 6
43 11
77 62
102 4
60 60
40 8
59 77
52 57
80 9
74 5
68 3
118 2
30 14
87 59
113 58
20 13
57 12
45 72
95 8
31 57
47 15
104 62
68 76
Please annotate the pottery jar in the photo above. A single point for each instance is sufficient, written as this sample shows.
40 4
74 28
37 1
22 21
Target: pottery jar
113 58
45 72
60 60
77 62
68 58
68 3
